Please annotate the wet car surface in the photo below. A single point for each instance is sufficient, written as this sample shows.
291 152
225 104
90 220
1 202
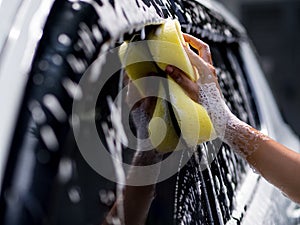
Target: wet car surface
46 180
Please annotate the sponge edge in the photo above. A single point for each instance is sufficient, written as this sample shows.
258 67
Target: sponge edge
137 61
188 113
166 139
166 46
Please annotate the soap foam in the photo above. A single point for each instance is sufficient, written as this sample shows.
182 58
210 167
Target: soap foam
241 137
211 100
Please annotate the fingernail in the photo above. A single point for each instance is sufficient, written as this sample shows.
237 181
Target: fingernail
169 69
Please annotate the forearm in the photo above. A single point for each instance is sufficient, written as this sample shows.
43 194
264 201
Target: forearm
275 162
243 138
280 166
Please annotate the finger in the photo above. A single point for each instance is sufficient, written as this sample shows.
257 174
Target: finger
190 87
196 43
203 67
202 48
206 71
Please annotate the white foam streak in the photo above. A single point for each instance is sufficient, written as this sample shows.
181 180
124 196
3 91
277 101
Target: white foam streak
52 103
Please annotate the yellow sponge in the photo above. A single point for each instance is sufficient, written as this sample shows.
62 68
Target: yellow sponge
161 130
165 47
137 60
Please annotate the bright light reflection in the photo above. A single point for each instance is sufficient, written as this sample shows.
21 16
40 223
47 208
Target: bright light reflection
14 33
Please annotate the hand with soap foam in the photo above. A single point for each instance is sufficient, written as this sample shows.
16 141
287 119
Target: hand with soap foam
207 92
206 89
182 122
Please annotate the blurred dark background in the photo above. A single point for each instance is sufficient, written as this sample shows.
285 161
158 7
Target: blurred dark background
274 27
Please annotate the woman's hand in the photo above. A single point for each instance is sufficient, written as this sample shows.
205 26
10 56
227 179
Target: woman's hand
206 89
202 62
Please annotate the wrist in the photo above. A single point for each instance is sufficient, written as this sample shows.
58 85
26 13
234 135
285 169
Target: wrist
212 100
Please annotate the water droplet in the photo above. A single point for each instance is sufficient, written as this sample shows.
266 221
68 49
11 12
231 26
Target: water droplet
158 31
43 65
72 88
57 59
207 26
86 37
37 113
199 187
254 169
217 183
97 33
229 177
107 197
143 34
76 6
227 33
78 65
38 79
52 103
74 195
64 39
49 138
202 15
65 170
43 156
